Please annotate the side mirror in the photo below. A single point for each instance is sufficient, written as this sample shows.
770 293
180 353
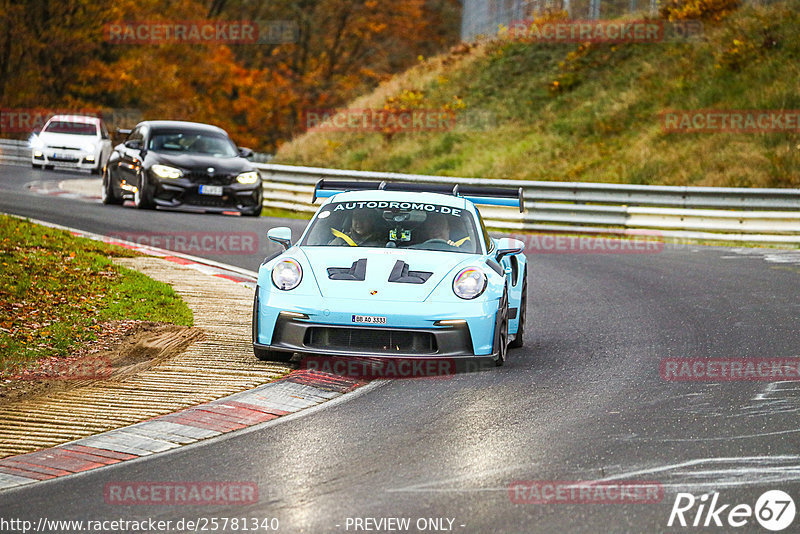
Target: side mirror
245 152
133 144
124 131
281 235
506 246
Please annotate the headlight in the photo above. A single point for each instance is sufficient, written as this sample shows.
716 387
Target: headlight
250 177
469 283
287 274
165 171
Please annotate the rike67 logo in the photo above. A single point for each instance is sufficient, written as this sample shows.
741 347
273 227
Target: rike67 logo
774 510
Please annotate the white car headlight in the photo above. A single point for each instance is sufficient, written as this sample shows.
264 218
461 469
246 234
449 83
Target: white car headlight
165 171
250 177
287 274
469 283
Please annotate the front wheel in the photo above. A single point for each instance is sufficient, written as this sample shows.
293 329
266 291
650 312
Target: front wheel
523 309
107 192
35 166
501 333
143 197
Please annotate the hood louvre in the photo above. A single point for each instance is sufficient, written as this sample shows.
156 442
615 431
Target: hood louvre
402 275
357 271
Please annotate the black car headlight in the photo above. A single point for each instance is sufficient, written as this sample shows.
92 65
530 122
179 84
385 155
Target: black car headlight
249 177
165 171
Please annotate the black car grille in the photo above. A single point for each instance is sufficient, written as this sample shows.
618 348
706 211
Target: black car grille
204 178
209 201
373 340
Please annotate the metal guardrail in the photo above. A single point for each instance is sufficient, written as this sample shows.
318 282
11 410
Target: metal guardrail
15 150
681 212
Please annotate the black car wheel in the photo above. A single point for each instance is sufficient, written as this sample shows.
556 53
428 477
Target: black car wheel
107 193
523 309
49 167
143 197
35 166
501 332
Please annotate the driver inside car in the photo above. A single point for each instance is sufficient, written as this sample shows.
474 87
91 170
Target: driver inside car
438 228
364 231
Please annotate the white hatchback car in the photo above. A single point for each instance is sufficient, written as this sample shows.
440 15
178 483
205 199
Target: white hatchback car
72 141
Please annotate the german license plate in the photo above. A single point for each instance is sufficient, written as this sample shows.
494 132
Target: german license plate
369 319
215 190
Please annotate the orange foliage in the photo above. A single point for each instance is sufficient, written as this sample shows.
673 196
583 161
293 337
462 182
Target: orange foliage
58 57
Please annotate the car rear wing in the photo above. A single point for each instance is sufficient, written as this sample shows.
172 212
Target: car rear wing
491 196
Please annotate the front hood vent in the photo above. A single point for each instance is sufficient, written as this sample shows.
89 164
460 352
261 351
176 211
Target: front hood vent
357 271
402 275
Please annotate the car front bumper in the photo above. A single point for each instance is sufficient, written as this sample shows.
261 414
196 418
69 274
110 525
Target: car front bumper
315 325
185 194
73 158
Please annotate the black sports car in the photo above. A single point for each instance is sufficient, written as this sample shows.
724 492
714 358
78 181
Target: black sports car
187 165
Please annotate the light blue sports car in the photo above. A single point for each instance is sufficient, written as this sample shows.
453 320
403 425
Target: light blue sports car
393 270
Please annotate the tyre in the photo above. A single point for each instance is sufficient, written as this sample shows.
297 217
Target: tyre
523 309
49 167
266 355
143 197
35 166
501 335
96 170
107 192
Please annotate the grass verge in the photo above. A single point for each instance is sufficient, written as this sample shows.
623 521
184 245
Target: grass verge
56 290
590 112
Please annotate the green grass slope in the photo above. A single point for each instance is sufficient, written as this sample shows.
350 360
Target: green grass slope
590 112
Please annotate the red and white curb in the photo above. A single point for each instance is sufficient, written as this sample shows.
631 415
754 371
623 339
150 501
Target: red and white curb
205 266
293 393
297 391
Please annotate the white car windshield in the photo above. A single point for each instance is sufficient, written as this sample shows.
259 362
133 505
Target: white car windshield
68 127
193 143
409 225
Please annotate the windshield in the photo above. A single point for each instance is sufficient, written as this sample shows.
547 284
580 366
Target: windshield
67 127
193 143
394 225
